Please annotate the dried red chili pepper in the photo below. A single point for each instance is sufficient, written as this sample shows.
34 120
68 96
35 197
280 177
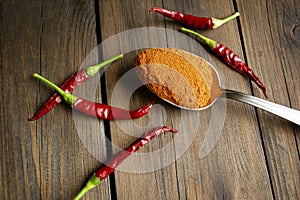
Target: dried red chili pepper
70 84
232 59
113 163
94 109
194 21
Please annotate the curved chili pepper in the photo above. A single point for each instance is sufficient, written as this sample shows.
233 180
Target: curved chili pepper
98 110
232 59
113 163
70 84
194 21
103 111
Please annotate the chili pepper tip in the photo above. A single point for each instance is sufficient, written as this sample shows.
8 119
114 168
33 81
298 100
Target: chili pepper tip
174 130
92 70
35 75
265 93
219 22
32 118
152 9
168 128
92 182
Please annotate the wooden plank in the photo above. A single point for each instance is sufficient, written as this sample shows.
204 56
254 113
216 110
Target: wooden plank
44 159
270 32
228 170
68 37
234 153
115 17
20 41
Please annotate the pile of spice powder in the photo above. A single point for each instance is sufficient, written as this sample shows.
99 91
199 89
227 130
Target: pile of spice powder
171 74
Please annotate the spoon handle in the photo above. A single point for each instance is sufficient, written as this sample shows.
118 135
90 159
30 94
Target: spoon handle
282 111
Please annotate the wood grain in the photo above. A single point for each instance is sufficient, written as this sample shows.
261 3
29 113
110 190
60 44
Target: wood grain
228 167
68 37
275 60
43 159
116 17
19 54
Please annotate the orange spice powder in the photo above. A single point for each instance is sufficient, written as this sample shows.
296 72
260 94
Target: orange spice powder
171 74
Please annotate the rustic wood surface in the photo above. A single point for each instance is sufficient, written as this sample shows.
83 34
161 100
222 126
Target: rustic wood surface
255 155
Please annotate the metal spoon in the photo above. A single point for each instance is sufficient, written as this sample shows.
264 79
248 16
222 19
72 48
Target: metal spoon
217 91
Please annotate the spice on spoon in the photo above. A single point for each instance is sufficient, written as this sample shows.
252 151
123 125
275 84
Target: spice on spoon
98 110
113 163
209 75
70 84
194 21
232 59
171 75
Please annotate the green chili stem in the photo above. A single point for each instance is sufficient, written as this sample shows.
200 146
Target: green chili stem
211 43
69 98
92 182
81 193
219 22
92 70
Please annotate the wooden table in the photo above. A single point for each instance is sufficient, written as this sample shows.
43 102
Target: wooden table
255 155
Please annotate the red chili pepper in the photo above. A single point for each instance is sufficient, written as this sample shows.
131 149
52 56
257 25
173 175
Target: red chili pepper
94 109
232 59
70 84
113 163
194 21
